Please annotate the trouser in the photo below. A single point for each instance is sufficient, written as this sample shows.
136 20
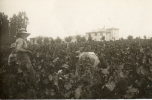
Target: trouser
26 68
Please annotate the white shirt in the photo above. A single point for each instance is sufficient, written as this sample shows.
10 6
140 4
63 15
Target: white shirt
21 44
92 56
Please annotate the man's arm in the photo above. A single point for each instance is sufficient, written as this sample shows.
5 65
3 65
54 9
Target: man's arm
19 46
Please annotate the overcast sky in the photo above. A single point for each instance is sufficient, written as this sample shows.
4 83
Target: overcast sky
70 17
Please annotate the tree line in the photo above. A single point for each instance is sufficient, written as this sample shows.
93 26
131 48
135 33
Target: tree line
10 26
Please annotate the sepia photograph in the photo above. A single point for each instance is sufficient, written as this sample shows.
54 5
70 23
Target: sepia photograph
75 49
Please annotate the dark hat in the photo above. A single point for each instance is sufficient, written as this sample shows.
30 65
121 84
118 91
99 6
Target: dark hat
21 32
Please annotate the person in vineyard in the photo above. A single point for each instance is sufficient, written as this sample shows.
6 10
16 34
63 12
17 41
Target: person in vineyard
23 57
86 69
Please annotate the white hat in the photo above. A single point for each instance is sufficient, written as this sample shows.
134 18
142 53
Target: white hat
22 31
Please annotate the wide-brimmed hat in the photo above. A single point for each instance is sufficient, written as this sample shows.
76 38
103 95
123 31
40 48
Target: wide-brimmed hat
23 32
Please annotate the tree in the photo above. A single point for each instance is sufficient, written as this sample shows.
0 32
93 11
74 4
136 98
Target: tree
51 40
78 38
4 39
145 37
39 40
121 38
130 37
68 39
89 38
58 40
17 22
46 40
83 39
4 29
103 38
138 38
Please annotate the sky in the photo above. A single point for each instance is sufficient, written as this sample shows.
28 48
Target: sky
71 17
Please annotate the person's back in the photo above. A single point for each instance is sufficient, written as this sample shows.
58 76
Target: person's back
91 56
86 72
87 65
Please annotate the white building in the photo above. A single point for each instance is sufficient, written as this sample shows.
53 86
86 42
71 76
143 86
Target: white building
104 33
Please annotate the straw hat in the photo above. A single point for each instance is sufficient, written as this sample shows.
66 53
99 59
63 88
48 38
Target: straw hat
22 32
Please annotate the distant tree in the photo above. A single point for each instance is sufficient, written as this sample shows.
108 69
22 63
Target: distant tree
145 37
121 38
17 22
130 37
68 39
103 38
4 29
89 38
138 38
78 38
51 40
46 40
83 39
39 40
58 40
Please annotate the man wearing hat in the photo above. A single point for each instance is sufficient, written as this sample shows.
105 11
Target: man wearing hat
23 59
21 44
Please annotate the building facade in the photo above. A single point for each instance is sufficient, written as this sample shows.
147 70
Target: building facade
104 34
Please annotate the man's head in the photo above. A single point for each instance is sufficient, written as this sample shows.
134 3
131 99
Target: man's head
22 33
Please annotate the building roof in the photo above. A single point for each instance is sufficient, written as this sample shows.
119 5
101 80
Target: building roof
103 30
112 29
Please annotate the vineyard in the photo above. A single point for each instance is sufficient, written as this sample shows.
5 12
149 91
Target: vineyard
126 71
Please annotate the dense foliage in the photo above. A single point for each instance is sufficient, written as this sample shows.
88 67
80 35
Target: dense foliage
9 27
126 71
4 29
